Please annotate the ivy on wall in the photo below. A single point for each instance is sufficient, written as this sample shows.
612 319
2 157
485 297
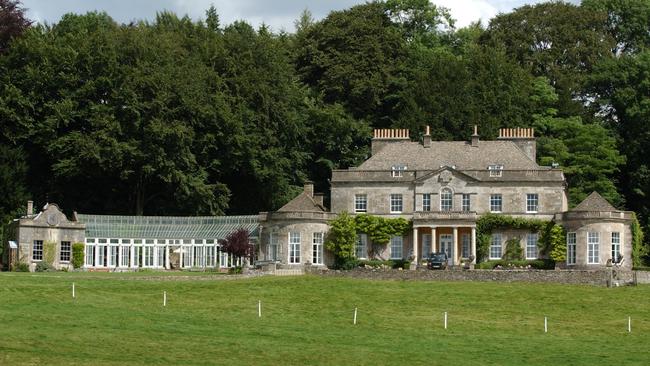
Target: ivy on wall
380 229
551 238
342 235
639 251
49 252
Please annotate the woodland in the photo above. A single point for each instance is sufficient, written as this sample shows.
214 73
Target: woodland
181 116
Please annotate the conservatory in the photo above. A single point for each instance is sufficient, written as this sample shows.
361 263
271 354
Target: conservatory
161 242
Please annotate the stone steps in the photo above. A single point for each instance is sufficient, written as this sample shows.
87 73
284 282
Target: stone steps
289 272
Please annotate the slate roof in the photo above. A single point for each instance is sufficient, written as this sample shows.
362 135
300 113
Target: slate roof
166 227
594 202
302 203
460 154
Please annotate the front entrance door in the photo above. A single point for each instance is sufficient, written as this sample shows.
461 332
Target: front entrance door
447 246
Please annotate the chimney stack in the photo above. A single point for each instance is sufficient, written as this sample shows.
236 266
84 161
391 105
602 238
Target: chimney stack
524 138
30 208
426 141
383 137
309 188
318 198
475 137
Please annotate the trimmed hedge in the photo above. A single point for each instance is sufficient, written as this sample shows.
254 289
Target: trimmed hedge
78 255
520 264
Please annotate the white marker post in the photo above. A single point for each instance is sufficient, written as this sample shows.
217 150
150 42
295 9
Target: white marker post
259 309
355 317
445 320
629 324
545 325
73 294
164 298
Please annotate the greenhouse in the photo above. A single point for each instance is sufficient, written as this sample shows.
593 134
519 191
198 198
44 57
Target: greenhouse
163 242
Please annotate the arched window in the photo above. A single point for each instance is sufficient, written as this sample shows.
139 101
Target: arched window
446 199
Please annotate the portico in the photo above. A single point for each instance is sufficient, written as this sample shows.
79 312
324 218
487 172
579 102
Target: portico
450 232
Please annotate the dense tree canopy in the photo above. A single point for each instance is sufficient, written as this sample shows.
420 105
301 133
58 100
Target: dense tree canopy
179 116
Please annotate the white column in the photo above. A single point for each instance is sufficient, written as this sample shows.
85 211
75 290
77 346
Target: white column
167 257
474 244
433 240
455 245
182 249
415 248
132 247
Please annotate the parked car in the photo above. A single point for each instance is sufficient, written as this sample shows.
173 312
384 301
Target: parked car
437 261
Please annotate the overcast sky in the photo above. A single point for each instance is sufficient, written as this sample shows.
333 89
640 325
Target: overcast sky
279 14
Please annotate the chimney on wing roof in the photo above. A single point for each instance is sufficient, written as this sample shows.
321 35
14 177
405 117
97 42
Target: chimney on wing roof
426 140
475 137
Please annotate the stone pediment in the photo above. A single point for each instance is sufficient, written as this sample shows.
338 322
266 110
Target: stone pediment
52 216
444 176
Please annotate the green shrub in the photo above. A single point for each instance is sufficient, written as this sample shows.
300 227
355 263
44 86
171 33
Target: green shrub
21 267
516 264
514 251
401 263
78 255
346 263
639 251
373 263
43 267
235 270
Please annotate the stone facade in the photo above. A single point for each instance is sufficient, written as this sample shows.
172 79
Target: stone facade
47 237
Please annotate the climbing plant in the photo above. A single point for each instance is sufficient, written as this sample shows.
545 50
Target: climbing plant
342 237
553 242
486 224
639 251
513 251
49 252
77 255
381 229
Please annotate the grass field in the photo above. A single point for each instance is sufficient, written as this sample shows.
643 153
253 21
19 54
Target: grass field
117 320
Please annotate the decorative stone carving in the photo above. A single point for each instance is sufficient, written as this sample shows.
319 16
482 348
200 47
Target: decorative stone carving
445 176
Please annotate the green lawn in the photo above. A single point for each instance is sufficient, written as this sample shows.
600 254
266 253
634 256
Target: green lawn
118 320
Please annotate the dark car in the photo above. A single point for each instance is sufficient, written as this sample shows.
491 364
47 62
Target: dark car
437 261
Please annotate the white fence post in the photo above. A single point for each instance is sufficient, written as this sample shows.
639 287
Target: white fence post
629 324
545 324
73 293
445 320
355 316
259 309
164 298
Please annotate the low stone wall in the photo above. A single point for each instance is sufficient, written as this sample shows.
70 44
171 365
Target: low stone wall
592 277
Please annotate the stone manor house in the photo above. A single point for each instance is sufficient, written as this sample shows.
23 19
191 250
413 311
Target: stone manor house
442 187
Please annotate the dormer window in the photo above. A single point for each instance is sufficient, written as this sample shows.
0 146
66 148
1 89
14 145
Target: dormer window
495 170
398 170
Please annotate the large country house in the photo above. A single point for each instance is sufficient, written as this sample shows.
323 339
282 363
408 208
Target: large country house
442 187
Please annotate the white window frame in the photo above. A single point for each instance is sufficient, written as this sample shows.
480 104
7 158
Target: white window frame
532 202
593 247
426 202
396 203
396 247
37 250
317 248
361 246
446 199
496 201
294 240
466 202
496 170
397 170
571 246
496 246
67 252
360 203
531 245
616 246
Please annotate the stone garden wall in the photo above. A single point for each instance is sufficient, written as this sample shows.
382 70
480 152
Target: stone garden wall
587 277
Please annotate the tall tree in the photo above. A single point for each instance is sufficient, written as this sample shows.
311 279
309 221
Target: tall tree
557 40
13 22
628 22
